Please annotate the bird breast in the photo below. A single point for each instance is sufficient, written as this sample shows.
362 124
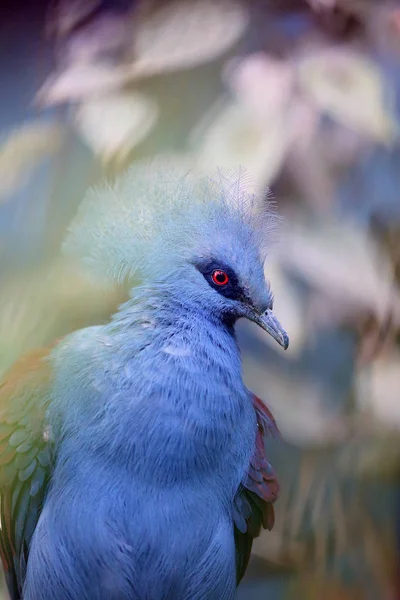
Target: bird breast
166 408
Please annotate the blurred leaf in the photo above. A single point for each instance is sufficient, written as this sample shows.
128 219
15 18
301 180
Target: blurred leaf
184 33
383 26
165 37
64 15
377 390
239 137
23 150
322 4
252 76
108 39
114 124
350 88
344 263
255 129
79 81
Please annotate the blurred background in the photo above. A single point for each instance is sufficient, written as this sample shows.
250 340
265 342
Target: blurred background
306 95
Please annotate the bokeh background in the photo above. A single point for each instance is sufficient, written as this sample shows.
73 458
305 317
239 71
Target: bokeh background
306 95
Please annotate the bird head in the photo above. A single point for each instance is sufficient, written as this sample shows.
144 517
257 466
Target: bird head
205 238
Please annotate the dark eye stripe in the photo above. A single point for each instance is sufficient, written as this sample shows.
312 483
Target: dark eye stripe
222 279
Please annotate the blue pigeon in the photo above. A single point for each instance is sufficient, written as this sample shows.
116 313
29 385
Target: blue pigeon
132 461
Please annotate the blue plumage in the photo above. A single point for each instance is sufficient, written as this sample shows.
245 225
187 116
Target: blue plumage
152 428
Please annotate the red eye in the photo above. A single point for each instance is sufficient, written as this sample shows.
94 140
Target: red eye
220 277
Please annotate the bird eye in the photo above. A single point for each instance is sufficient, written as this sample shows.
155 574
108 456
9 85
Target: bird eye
219 277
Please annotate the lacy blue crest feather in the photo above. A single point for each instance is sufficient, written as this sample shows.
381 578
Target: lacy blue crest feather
156 216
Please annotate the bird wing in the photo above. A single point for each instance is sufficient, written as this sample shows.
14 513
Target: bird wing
25 457
253 505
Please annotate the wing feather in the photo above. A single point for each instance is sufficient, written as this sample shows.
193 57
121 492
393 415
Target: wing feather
253 505
24 461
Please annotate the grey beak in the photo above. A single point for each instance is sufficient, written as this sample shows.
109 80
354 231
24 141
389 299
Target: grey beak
271 325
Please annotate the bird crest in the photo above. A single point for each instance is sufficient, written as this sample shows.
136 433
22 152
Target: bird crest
157 215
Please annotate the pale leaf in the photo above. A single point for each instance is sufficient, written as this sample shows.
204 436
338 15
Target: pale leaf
114 124
351 89
64 15
343 262
256 128
319 5
182 34
239 138
23 150
166 38
377 390
261 81
79 81
108 39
